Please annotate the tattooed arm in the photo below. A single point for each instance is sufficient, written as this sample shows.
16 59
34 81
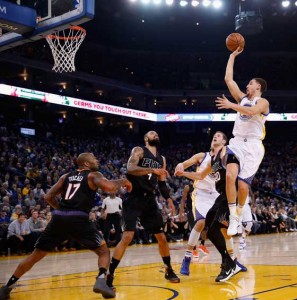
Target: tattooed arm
134 169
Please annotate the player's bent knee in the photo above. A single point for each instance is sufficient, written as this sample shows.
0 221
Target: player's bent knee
231 177
127 238
161 237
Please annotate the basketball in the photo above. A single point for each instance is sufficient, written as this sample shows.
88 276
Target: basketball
235 40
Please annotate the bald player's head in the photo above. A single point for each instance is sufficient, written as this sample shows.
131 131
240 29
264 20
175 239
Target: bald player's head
87 161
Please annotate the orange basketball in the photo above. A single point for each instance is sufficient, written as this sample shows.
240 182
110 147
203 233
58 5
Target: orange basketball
235 40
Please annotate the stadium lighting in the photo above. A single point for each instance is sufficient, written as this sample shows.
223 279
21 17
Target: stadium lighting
146 1
217 3
133 0
195 3
286 3
183 3
295 3
169 2
206 3
157 2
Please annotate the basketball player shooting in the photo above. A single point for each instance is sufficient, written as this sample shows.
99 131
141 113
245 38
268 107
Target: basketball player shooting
245 151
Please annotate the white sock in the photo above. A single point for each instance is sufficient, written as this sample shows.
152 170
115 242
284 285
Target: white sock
189 253
232 209
239 210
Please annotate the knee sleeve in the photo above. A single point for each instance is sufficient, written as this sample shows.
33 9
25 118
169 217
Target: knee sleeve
194 238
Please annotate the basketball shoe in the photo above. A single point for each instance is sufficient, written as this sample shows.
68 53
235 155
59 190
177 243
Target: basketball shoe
227 271
233 225
5 292
101 287
203 249
239 267
171 276
195 253
185 267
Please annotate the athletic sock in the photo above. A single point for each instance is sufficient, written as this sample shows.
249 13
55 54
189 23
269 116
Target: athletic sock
239 209
188 253
12 280
167 260
232 208
102 272
113 265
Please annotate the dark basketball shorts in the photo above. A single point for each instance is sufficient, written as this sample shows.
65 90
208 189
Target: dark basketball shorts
144 207
219 212
66 225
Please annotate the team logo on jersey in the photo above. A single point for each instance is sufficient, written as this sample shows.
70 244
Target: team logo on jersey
216 167
245 117
150 163
215 176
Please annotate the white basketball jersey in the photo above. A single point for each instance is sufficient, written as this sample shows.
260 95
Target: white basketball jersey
209 182
252 127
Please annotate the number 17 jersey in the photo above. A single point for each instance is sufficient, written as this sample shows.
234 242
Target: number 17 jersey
77 195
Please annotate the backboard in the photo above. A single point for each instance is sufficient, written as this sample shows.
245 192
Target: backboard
52 16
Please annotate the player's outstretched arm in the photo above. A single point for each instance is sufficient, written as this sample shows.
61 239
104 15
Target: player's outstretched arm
236 93
97 180
262 106
196 175
195 159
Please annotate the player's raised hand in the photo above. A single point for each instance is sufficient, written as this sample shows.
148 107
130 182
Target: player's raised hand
161 172
223 102
237 51
127 185
178 169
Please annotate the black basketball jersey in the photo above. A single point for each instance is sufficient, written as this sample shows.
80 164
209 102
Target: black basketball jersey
77 194
146 183
219 172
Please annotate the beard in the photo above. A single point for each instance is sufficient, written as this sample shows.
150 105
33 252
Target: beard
154 143
94 168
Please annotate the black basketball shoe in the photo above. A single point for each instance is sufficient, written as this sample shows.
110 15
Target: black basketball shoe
227 271
171 276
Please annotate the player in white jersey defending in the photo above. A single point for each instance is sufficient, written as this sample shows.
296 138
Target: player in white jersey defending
246 146
203 195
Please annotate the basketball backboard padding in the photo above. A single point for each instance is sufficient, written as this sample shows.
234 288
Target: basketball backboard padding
16 18
84 13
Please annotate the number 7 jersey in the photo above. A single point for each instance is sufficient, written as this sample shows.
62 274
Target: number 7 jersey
146 183
77 194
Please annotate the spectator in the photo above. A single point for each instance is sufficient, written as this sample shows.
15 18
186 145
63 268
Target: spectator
19 235
36 225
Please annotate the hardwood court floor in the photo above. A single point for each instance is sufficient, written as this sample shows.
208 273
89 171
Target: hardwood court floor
271 261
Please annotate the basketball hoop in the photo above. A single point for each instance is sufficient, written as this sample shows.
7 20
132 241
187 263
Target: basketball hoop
64 45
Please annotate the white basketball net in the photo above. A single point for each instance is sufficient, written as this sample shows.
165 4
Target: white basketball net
64 45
